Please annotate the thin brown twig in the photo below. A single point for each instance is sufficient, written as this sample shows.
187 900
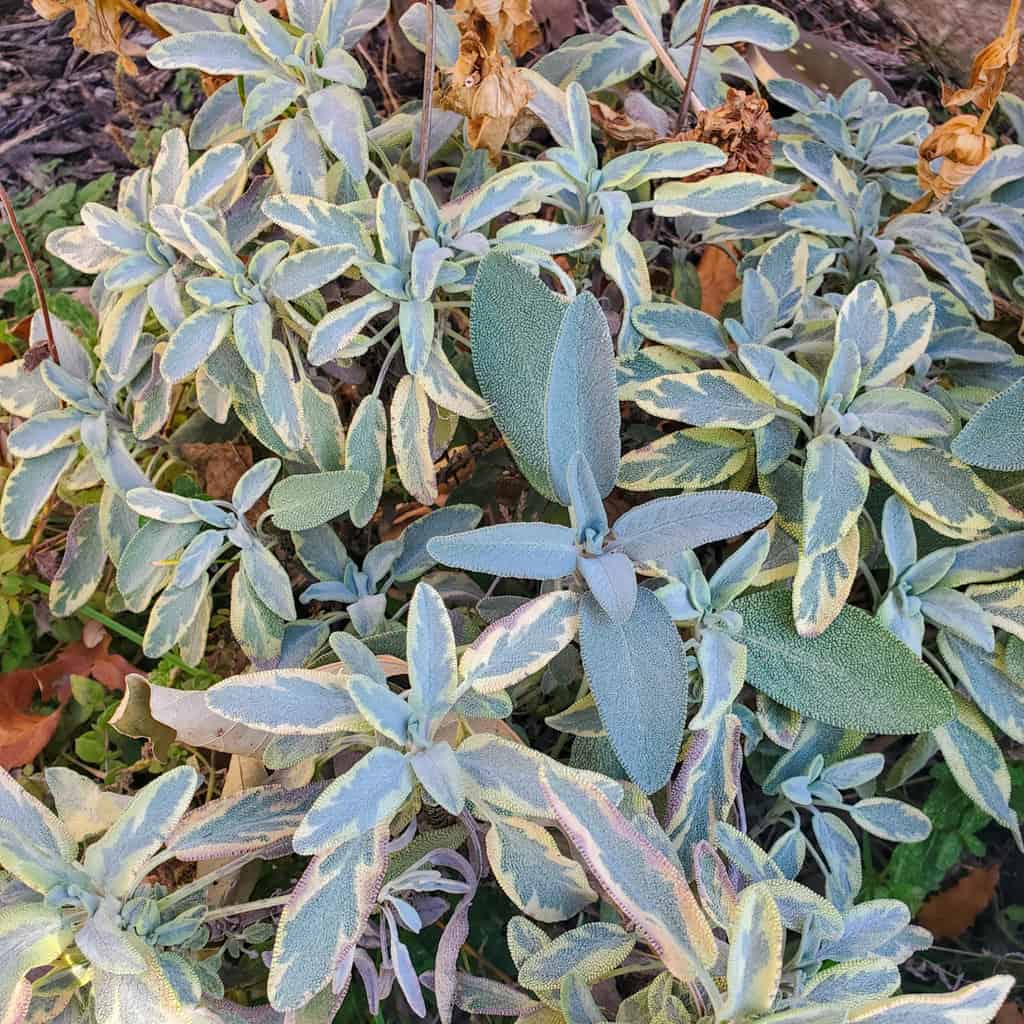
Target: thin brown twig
380 75
691 74
144 19
428 92
656 44
5 201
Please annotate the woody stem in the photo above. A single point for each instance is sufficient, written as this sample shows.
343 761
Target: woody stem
428 92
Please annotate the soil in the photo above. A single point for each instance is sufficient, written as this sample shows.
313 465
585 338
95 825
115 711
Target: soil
70 115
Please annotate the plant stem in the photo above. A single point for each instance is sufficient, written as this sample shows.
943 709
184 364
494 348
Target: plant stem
224 871
691 74
656 44
87 612
30 265
428 92
386 365
246 908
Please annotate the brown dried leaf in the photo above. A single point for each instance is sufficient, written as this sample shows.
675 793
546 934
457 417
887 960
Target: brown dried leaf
97 27
133 718
718 279
184 713
619 126
948 914
988 72
1010 1013
23 735
219 466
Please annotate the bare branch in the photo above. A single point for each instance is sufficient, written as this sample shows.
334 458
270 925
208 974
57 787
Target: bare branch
5 201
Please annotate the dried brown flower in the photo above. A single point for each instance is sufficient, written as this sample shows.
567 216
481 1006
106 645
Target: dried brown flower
508 21
484 85
954 151
742 128
97 27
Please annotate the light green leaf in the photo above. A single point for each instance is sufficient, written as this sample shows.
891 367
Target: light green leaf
993 437
638 674
305 501
836 678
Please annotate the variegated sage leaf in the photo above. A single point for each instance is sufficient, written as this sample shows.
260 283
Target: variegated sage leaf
649 890
972 1004
367 796
534 873
81 568
115 860
709 398
286 702
521 643
27 489
756 946
942 489
325 917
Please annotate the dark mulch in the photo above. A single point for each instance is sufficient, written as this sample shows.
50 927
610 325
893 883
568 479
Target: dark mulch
69 115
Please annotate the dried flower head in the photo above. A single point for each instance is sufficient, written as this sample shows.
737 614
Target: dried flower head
742 128
484 85
508 21
954 151
97 26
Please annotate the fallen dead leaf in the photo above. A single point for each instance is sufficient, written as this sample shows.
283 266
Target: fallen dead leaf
948 914
24 734
219 466
163 714
98 28
718 279
1010 1013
